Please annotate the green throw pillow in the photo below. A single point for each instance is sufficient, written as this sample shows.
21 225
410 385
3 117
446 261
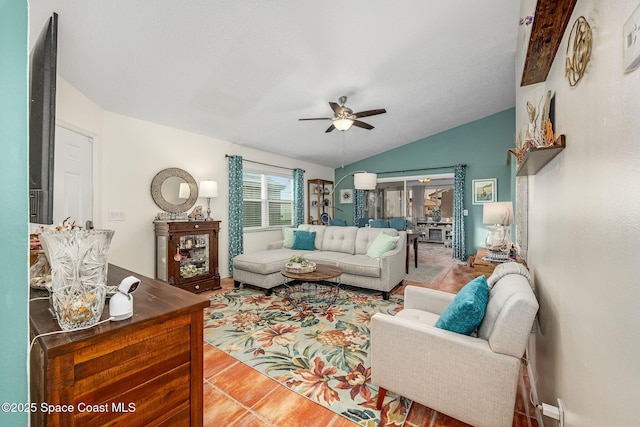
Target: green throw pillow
287 234
464 314
304 240
383 243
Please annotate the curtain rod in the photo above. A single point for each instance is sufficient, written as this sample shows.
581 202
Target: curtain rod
260 163
422 169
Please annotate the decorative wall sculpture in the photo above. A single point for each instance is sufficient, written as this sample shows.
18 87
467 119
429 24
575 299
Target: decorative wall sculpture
578 50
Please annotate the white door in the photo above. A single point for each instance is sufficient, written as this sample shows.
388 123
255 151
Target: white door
73 177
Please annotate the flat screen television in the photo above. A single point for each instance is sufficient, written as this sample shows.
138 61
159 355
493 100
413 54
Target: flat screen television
42 122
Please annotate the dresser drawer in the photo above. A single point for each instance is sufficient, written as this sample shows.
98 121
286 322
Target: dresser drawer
198 287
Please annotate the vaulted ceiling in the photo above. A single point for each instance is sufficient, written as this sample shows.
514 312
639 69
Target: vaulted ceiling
245 71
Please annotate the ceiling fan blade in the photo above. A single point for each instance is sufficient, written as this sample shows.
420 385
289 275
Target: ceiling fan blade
332 127
336 108
319 118
362 124
369 113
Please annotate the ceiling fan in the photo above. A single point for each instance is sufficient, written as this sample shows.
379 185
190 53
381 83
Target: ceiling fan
344 117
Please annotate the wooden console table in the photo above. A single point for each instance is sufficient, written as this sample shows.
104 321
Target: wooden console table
482 267
146 370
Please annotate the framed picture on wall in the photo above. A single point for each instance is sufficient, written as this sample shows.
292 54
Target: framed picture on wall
346 196
484 191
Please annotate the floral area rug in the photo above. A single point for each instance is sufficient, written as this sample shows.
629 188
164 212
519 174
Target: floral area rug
320 352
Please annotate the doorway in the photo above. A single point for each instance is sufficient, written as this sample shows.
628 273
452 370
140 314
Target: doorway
425 202
73 177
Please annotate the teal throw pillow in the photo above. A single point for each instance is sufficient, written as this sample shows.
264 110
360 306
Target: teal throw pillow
287 234
383 243
304 240
464 314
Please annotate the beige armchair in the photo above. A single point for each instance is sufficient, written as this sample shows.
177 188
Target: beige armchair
473 379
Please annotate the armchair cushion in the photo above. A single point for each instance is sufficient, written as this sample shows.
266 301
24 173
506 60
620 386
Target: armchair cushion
467 309
398 223
304 240
380 223
420 316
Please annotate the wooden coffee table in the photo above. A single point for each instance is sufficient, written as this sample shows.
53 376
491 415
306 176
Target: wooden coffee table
314 288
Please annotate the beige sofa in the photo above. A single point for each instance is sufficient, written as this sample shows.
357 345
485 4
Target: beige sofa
344 247
471 378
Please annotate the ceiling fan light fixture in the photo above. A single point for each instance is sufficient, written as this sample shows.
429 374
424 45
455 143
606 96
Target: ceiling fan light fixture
342 123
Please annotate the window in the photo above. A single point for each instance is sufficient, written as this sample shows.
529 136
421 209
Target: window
268 200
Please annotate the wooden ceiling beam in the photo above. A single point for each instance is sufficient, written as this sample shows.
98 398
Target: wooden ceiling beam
549 23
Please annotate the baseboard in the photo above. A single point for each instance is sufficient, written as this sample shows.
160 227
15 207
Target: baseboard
532 386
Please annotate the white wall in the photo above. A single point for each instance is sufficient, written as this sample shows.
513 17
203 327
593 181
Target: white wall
584 230
133 151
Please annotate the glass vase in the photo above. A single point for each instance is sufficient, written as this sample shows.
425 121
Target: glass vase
78 260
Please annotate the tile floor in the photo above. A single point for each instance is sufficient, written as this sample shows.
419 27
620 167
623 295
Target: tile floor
237 395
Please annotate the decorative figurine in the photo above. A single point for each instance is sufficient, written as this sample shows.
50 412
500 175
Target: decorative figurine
196 213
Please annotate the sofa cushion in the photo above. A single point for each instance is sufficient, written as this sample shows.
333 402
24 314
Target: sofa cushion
319 229
359 265
367 235
340 239
325 257
383 243
467 309
304 240
287 235
265 262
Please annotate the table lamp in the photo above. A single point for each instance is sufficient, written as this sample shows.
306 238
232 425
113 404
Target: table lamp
500 216
208 189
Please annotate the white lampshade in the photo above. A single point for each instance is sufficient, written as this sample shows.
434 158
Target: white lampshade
365 181
497 213
342 124
185 191
208 189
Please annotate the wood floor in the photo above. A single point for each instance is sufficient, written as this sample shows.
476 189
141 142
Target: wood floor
237 395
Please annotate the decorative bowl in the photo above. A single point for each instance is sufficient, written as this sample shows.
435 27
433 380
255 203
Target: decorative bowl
296 267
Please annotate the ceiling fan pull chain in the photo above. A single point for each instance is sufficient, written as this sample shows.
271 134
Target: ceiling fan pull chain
343 150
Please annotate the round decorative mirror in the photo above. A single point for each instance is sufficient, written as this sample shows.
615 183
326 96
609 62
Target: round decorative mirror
169 193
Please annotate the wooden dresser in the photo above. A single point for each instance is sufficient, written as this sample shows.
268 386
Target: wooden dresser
143 371
187 254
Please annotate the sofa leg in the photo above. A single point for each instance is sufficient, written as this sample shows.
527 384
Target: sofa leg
382 392
268 292
385 296
236 283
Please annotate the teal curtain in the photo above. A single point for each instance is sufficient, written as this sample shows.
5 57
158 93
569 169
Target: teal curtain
358 206
236 209
298 197
458 244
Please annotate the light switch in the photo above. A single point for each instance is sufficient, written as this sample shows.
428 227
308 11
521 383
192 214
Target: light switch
631 41
465 212
115 215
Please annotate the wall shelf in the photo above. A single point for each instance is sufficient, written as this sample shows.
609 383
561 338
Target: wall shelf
549 23
537 157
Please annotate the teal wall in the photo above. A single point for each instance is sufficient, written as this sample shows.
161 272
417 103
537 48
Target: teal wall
14 227
482 145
